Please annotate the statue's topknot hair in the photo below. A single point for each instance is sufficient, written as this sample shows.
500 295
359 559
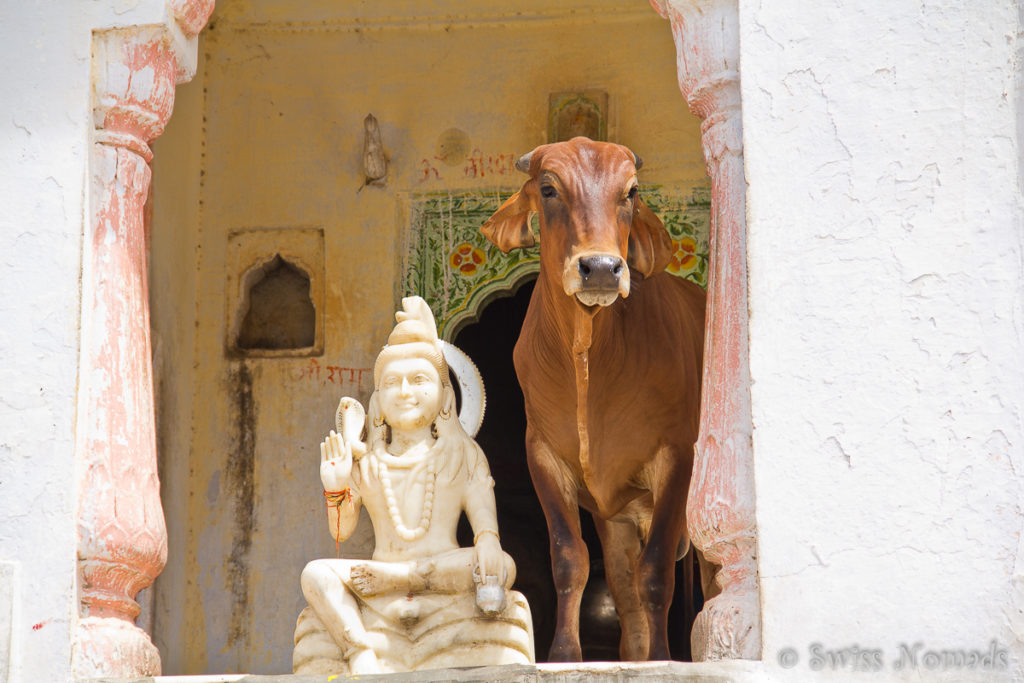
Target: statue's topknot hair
415 334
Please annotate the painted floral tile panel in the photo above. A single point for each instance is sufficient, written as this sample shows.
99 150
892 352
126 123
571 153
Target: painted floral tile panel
452 265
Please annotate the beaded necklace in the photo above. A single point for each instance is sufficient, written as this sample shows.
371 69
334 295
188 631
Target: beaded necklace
396 515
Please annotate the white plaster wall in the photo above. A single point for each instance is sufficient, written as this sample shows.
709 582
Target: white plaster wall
885 251
44 118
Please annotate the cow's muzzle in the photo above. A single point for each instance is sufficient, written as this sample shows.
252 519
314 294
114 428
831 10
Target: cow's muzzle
596 279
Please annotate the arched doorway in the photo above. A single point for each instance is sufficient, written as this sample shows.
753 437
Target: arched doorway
284 155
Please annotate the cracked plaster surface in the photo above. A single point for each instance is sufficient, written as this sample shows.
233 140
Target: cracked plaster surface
41 190
885 251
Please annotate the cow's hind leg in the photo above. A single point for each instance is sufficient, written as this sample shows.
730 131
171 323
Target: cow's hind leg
620 542
570 562
656 567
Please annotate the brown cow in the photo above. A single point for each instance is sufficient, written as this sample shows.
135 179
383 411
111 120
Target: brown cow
612 384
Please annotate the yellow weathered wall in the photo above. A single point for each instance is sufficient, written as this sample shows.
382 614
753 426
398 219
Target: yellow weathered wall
173 278
270 136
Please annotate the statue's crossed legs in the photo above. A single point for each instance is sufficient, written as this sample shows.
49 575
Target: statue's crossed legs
332 586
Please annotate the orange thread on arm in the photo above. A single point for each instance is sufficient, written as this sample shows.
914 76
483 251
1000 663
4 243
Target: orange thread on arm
336 498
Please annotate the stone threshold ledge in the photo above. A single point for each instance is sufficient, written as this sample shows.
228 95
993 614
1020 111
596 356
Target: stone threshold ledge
733 671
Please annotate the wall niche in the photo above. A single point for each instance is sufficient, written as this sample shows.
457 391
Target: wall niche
275 292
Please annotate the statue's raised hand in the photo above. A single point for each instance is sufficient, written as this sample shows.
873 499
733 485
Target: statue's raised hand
335 463
342 447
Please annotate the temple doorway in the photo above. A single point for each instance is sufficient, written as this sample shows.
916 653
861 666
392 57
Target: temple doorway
489 342
280 172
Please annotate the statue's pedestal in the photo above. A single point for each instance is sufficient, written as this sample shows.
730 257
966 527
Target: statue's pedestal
428 631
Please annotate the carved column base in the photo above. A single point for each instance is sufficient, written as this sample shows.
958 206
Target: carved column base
729 625
723 629
113 647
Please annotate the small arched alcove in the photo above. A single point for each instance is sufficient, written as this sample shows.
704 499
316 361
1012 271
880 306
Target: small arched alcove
278 312
275 291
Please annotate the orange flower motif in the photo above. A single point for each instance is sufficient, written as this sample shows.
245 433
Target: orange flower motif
684 257
466 259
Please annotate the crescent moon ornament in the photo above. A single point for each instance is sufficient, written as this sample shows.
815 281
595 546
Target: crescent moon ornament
471 386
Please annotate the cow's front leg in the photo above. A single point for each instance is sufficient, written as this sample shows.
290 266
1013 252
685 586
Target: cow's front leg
620 543
656 567
570 562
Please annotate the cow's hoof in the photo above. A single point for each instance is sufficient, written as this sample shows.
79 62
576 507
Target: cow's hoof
563 651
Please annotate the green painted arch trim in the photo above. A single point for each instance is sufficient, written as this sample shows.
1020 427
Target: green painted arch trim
452 265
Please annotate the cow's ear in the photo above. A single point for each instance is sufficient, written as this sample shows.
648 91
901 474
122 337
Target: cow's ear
650 247
509 227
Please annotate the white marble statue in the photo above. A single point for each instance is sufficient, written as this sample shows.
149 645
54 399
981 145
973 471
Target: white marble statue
421 602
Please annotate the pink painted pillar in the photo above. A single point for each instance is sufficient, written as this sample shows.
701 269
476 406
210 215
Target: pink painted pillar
122 543
720 508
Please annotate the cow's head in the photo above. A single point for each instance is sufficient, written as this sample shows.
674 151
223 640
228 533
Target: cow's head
593 223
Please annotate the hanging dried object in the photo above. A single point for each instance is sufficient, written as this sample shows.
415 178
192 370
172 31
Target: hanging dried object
375 162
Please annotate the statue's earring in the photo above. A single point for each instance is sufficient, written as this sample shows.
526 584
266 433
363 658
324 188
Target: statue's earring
449 402
378 421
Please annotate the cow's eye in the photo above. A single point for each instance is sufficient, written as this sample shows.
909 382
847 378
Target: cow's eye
548 191
632 192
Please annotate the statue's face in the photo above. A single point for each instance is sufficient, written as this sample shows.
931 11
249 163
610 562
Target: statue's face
410 393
